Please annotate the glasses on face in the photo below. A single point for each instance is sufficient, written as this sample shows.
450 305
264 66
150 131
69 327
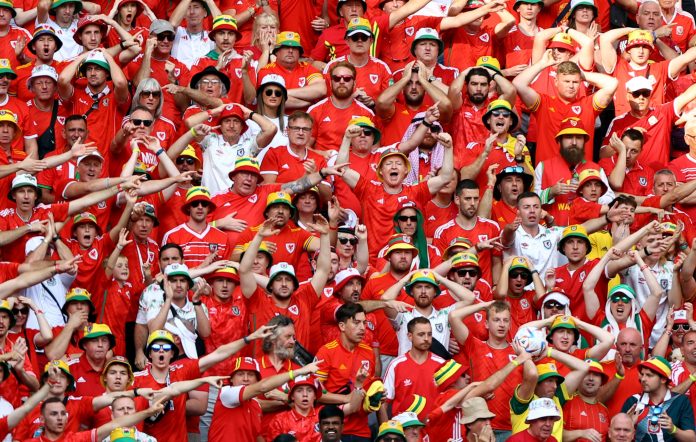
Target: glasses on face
161 347
344 241
273 93
185 160
166 36
554 305
404 218
208 82
358 37
153 94
516 275
463 273
500 113
342 78
675 327
641 93
366 132
200 203
139 122
300 129
621 298
8 76
23 311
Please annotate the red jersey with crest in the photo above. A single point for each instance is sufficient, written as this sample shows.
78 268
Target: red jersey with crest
435 216
10 41
462 49
396 50
287 166
233 70
522 310
684 28
637 181
80 412
468 127
331 122
198 245
373 77
19 85
581 415
10 220
406 377
24 120
304 428
291 242
116 300
502 213
684 168
338 371
91 266
303 74
249 208
394 128
268 370
329 326
570 282
229 322
483 230
657 73
517 46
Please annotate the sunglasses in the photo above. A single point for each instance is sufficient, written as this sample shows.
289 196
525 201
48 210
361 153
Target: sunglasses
621 298
207 82
516 275
273 93
462 273
500 113
153 94
161 347
343 78
139 122
404 218
641 93
352 241
185 160
165 36
367 132
200 203
300 129
358 37
554 305
675 327
25 311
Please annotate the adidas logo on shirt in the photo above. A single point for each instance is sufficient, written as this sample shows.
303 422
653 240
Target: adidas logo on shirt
285 166
517 49
327 118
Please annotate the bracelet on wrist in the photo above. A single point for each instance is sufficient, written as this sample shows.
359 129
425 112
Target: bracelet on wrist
515 362
251 115
119 246
246 340
159 152
643 267
692 378
427 124
197 303
548 352
292 375
321 174
333 228
193 132
135 392
619 377
674 429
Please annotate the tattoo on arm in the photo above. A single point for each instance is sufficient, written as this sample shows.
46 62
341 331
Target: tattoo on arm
298 186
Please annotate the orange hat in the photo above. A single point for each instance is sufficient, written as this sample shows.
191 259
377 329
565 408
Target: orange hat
640 37
562 41
588 175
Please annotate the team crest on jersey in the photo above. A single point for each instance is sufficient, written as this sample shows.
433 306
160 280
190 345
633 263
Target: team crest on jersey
51 282
290 247
253 198
374 78
328 292
370 325
478 317
679 30
302 81
576 109
213 247
524 304
238 71
652 120
161 135
235 310
94 254
105 102
512 357
294 310
582 276
547 244
150 256
643 181
483 238
439 328
664 283
373 166
61 120
177 72
316 427
409 31
102 205
484 38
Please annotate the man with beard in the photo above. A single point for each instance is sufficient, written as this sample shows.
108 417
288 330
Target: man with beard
510 182
467 224
552 111
331 423
684 371
471 110
543 414
170 214
658 410
403 100
196 236
587 419
283 293
103 102
423 286
655 121
411 374
557 176
340 107
621 428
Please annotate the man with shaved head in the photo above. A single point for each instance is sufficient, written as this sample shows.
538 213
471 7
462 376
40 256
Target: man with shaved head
621 428
622 371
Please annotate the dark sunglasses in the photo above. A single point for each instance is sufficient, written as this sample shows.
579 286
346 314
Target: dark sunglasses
185 160
359 37
641 93
273 92
462 273
404 218
344 78
139 122
367 132
200 203
352 241
500 113
554 305
515 275
675 327
163 347
23 311
165 36
622 298
153 94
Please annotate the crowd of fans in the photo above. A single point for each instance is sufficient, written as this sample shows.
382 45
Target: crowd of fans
347 220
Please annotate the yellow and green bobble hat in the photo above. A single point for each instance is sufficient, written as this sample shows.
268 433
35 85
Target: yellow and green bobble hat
123 435
422 276
417 405
5 66
366 123
288 39
62 366
659 365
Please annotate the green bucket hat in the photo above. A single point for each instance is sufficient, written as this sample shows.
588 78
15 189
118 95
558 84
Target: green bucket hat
57 3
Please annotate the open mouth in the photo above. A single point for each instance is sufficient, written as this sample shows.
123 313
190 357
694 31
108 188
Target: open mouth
499 125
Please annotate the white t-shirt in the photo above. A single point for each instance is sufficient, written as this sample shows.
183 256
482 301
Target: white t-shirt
188 48
438 320
58 286
219 157
280 138
70 48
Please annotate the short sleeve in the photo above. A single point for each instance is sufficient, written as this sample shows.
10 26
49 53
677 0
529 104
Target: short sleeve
231 397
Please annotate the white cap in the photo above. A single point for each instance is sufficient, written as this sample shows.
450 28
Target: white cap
345 275
680 315
32 244
576 3
93 154
24 179
43 70
639 84
558 297
427 33
282 267
273 79
540 408
408 419
176 268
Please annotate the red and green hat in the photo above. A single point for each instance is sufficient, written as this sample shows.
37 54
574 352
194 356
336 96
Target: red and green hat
246 164
588 175
399 241
198 193
458 242
596 367
448 373
465 259
62 366
86 218
659 365
225 23
226 273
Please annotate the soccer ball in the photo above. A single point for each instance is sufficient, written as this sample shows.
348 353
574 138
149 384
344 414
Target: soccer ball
531 339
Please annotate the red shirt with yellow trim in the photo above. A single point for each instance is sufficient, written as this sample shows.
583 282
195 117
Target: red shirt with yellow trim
198 245
502 213
394 128
268 370
338 370
329 326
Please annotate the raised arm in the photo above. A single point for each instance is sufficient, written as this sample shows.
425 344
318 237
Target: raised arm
384 105
617 176
607 51
578 369
607 86
247 281
445 175
459 330
591 280
225 351
522 82
605 340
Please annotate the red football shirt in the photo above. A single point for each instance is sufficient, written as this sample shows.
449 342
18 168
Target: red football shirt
331 122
